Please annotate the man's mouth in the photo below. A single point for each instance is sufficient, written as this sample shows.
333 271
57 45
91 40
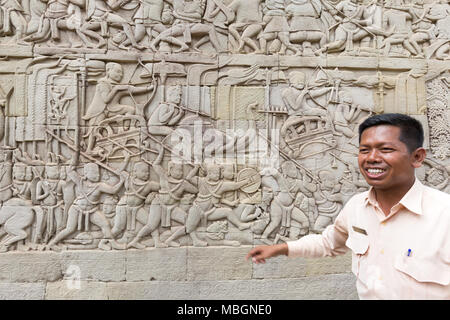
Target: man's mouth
375 172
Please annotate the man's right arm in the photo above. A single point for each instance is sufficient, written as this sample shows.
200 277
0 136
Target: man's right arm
330 243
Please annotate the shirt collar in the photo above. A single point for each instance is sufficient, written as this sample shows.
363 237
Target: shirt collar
412 200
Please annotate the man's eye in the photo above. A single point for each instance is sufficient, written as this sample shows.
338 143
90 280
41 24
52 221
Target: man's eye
363 150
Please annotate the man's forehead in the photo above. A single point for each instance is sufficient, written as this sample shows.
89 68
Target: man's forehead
381 134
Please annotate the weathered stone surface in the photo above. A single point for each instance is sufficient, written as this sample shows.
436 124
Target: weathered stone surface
156 264
22 291
218 263
340 286
30 267
76 290
94 265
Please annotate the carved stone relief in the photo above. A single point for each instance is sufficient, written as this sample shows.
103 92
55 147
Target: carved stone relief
130 124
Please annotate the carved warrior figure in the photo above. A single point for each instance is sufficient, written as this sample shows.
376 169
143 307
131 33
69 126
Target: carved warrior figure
167 113
286 186
59 14
100 14
397 17
13 19
248 19
299 95
328 200
188 22
276 27
149 19
440 15
354 22
305 22
49 193
86 207
205 207
134 204
166 205
108 92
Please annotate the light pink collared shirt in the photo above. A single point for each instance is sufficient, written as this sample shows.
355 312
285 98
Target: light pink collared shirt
405 255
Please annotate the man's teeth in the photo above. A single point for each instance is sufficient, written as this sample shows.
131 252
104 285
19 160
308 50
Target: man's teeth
375 171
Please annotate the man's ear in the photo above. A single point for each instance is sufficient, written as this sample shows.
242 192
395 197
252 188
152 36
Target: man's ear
418 156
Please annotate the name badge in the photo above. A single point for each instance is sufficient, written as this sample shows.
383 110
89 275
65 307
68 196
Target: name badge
359 230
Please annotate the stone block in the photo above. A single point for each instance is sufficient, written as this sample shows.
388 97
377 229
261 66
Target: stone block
337 286
156 264
30 267
76 290
96 265
280 267
218 263
22 291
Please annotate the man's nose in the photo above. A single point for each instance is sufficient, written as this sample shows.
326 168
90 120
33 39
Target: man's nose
373 155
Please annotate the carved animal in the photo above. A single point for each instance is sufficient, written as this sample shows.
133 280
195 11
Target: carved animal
16 215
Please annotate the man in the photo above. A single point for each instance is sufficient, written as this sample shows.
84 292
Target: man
86 207
398 230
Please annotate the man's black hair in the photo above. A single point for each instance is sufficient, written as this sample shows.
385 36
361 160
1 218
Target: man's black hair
411 130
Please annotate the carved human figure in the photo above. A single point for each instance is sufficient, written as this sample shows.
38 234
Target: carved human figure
149 19
56 17
86 207
298 95
345 114
437 177
134 204
167 114
206 205
166 205
276 27
354 22
245 211
107 96
305 22
440 15
6 176
422 26
328 199
14 22
397 17
188 22
283 208
49 193
100 13
248 19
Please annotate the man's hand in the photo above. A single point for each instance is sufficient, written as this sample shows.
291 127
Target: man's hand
261 253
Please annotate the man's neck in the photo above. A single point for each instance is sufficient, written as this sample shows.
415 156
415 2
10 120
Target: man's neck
387 198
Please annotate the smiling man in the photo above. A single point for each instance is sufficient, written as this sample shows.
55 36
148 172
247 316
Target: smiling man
398 231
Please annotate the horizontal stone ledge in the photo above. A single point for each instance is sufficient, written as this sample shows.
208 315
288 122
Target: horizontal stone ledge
335 286
160 264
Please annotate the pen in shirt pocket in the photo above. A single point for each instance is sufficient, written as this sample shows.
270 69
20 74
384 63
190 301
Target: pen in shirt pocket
409 253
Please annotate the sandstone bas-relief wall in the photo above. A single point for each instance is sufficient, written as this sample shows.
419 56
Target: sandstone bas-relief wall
132 124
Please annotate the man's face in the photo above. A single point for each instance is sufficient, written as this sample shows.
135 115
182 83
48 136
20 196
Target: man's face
141 171
214 173
228 172
92 173
384 160
176 171
52 172
116 73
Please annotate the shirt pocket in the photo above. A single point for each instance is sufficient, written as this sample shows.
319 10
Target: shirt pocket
424 270
359 244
